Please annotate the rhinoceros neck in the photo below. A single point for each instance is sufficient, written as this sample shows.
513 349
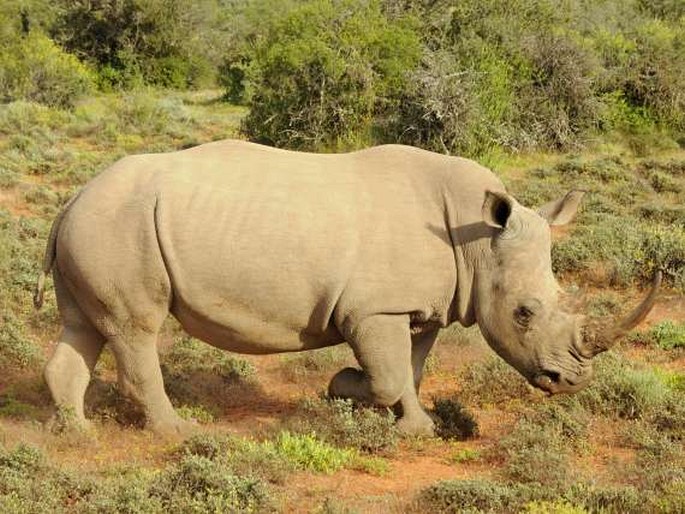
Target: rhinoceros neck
464 196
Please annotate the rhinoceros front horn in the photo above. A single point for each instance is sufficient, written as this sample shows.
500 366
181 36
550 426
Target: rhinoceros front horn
600 341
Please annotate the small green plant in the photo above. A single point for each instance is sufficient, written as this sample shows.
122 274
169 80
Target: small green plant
667 335
624 390
475 496
10 407
309 453
195 412
453 420
465 455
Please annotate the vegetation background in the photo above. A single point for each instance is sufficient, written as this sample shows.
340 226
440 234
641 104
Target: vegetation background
551 94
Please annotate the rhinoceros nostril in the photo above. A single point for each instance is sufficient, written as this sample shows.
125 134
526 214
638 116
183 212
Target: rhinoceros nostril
547 381
554 376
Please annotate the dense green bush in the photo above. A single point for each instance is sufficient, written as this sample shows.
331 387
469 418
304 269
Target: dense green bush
130 42
324 72
33 67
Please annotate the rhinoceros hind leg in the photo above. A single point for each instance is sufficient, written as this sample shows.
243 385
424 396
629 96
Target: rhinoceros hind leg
67 373
140 378
68 370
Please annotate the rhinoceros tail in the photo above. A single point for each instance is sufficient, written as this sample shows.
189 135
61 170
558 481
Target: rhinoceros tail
50 252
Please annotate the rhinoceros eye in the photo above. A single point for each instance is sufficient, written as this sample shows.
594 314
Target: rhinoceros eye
522 316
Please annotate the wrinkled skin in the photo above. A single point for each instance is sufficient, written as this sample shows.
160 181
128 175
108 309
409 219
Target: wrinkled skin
257 250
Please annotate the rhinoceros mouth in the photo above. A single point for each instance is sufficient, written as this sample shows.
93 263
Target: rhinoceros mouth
552 382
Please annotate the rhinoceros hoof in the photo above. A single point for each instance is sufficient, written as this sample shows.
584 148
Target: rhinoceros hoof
416 426
173 428
58 424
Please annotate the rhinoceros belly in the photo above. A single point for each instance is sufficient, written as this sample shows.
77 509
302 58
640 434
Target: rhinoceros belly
255 269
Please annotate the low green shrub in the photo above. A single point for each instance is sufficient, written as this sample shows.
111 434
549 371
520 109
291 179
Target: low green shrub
474 496
195 412
491 382
341 423
297 366
453 420
667 335
123 490
465 455
624 390
535 454
189 356
610 499
199 484
11 407
552 507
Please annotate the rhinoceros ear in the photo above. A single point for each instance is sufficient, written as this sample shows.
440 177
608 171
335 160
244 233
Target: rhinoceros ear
497 209
562 210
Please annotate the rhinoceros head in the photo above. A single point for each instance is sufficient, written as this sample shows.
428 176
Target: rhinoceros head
519 306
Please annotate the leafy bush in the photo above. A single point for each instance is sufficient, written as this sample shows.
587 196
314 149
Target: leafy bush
618 229
200 484
34 68
535 454
131 42
667 335
556 507
453 420
472 496
340 423
323 70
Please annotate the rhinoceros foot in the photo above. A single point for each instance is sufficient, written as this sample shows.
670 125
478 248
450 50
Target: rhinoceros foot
66 420
418 424
173 427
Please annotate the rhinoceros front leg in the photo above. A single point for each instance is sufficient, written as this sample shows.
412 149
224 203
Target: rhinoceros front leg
383 347
414 418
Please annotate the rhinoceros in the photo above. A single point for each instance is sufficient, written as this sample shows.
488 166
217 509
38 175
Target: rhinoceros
259 250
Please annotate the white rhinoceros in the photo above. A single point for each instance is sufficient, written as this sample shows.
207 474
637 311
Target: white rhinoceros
258 250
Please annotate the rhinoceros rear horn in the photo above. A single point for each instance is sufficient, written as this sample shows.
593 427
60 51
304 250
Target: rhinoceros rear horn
601 341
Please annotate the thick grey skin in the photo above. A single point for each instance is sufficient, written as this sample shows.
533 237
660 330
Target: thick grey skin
257 250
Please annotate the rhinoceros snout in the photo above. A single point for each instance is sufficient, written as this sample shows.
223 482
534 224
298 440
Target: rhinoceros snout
555 382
